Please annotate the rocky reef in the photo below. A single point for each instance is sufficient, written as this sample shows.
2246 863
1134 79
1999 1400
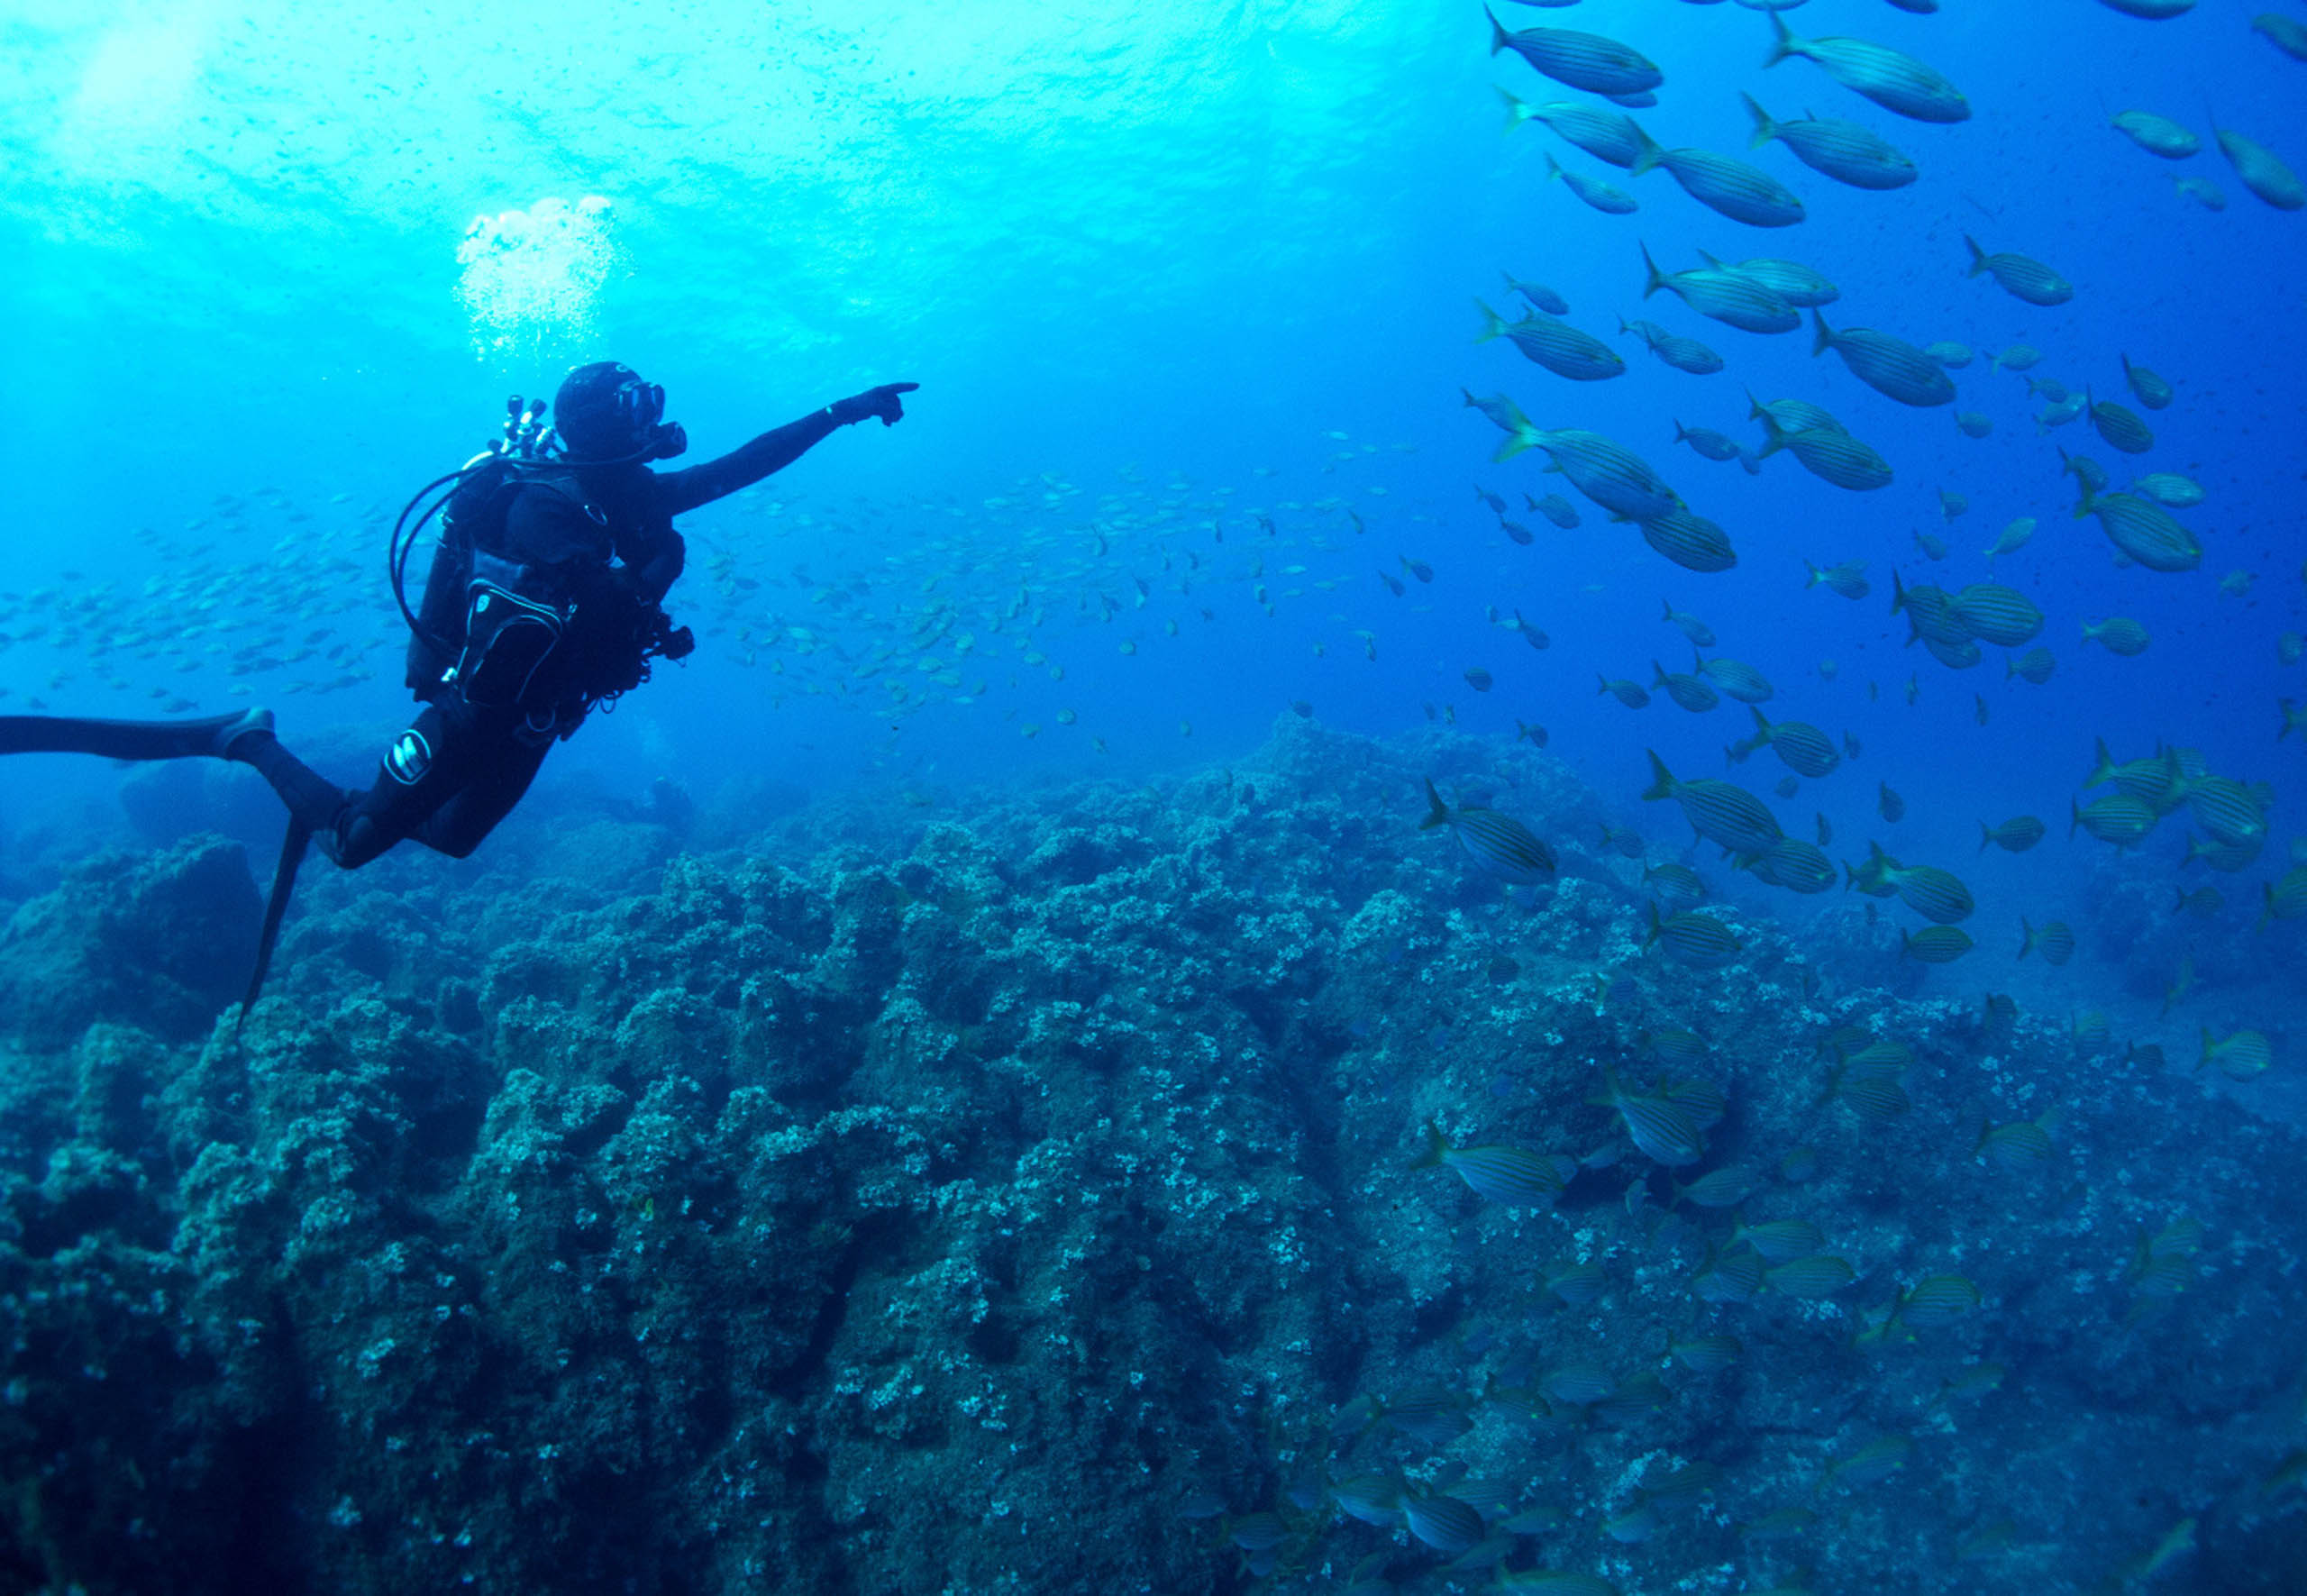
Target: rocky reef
1018 1195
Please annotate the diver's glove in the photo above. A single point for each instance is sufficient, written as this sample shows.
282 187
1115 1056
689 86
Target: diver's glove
882 401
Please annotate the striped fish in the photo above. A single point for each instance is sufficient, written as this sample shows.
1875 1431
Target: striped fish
1605 196
2119 818
1540 297
1802 286
1690 541
2151 390
1847 580
2118 634
1730 1276
1725 815
1700 941
1832 456
1741 680
1730 187
1684 355
2012 1146
2226 808
1588 61
1725 1187
1933 893
1442 1522
2015 835
1706 1355
1729 298
1930 612
1691 692
1627 692
1936 1300
1894 80
1558 510
1609 136
1889 366
1821 1275
1805 749
2019 276
2157 135
1705 442
1561 348
2262 170
1794 864
1793 416
1843 150
2240 1056
1608 472
1779 1240
2148 779
2119 425
1661 1130
1514 1176
2035 665
2054 940
2284 898
1499 843
1935 944
1998 615
1697 631
2170 489
1679 883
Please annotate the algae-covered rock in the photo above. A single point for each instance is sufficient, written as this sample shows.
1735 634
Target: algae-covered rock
164 940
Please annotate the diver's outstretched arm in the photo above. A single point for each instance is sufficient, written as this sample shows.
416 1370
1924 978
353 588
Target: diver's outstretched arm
772 451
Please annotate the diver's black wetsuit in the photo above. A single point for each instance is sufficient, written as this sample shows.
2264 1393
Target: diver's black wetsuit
604 537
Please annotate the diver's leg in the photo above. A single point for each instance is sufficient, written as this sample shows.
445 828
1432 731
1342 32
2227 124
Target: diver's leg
314 801
502 773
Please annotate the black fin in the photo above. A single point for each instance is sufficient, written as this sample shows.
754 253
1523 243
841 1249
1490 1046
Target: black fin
114 739
284 884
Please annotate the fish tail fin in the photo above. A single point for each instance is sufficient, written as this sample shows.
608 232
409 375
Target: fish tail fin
1661 779
1783 42
2267 911
1500 39
1906 944
1766 130
1986 837
1437 1147
1656 279
1681 433
1978 256
2207 1053
1554 167
1898 593
1439 812
1657 674
1492 323
1823 339
1649 154
1516 111
2105 767
1657 928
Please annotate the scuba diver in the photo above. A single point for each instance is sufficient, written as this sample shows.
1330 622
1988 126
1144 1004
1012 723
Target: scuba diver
544 599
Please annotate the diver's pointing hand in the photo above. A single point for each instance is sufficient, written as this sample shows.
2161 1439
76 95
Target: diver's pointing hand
882 401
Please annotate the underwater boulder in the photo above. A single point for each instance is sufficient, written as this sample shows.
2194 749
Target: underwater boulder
164 940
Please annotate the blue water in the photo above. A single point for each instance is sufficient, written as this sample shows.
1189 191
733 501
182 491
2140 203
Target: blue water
1160 272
